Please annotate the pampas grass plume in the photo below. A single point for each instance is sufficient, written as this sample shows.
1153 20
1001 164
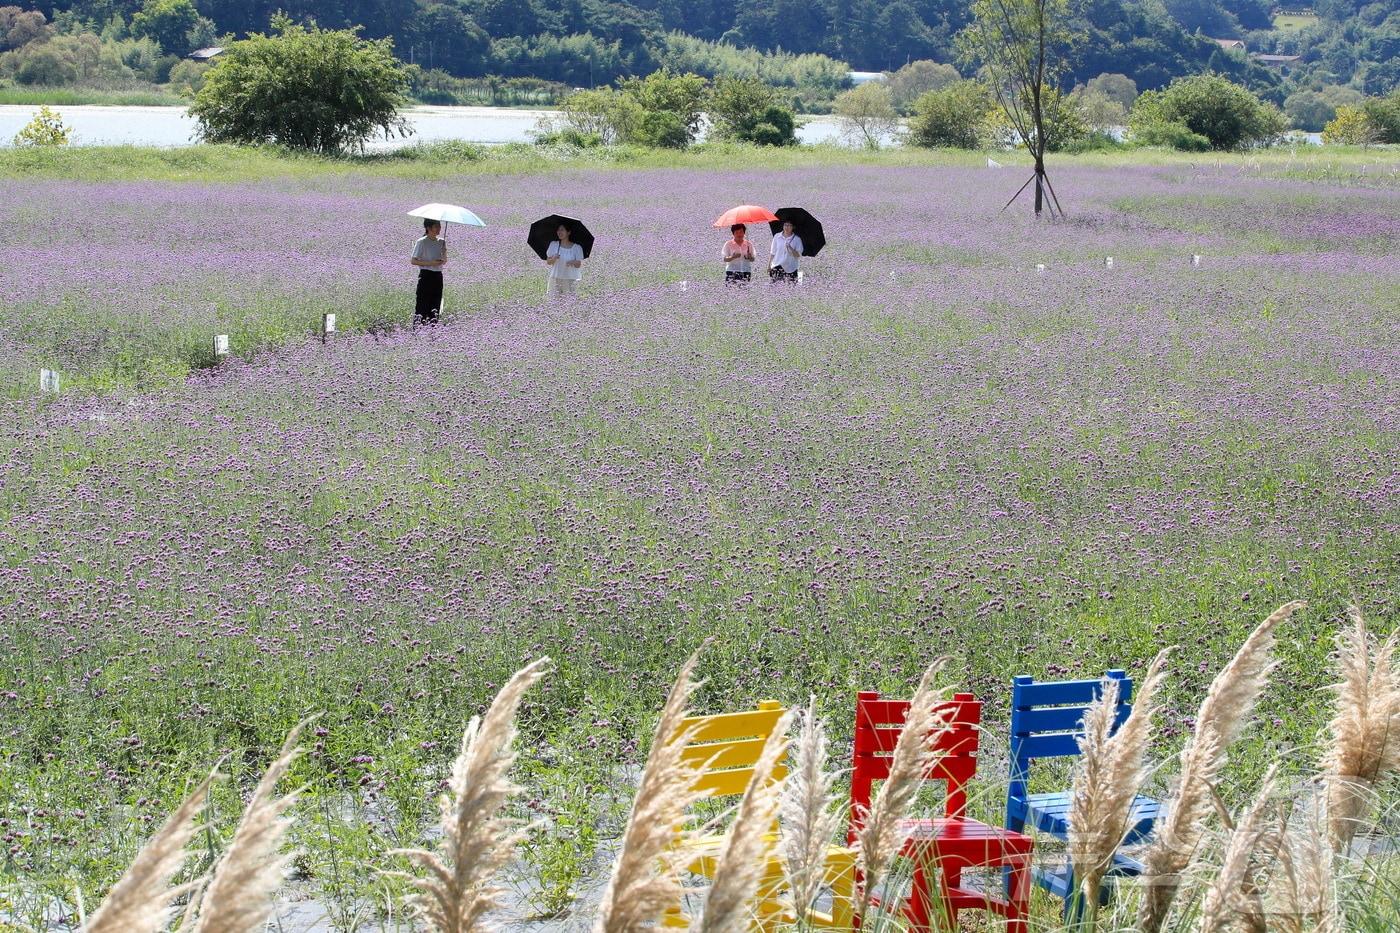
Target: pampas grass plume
1109 774
1232 900
744 861
239 896
646 876
1365 730
881 835
141 900
810 814
459 888
1222 716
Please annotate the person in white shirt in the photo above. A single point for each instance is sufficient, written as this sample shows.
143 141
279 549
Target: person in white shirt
565 260
738 256
429 255
786 253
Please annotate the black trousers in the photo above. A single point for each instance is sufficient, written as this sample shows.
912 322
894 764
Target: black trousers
428 299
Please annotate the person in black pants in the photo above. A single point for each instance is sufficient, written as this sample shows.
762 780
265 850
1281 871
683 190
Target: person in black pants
429 255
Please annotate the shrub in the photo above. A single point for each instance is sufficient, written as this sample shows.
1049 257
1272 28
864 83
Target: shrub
605 113
1227 115
1350 127
46 129
916 79
1171 136
1308 110
1383 113
747 110
668 101
187 77
1063 120
568 136
662 129
44 64
307 88
867 114
954 117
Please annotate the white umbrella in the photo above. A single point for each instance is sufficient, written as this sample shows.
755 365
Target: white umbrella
447 214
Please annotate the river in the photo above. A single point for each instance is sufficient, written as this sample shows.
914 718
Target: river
173 126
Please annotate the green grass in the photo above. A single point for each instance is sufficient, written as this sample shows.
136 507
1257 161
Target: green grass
1288 22
80 96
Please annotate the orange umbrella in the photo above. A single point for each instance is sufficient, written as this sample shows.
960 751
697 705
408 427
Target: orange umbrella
745 214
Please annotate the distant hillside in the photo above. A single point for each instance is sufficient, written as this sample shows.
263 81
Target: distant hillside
589 42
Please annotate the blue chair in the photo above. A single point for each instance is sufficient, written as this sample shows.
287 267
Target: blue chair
1047 719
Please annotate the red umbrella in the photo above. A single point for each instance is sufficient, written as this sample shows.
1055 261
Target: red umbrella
745 214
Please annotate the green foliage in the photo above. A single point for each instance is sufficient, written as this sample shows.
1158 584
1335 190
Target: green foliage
1383 113
867 114
813 78
46 129
1227 115
607 114
20 27
1170 136
1350 127
747 110
308 88
954 117
175 25
435 86
673 105
187 77
1062 119
1311 109
917 78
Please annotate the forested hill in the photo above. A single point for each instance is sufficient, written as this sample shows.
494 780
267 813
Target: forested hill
583 42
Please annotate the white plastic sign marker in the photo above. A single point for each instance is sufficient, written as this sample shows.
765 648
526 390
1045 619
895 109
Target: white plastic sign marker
1108 262
800 274
1196 259
328 322
1040 267
685 285
48 380
220 345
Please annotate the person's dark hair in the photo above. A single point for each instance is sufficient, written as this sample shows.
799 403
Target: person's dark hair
735 228
568 228
429 223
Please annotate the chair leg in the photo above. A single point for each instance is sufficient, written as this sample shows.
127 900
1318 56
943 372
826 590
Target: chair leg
1018 895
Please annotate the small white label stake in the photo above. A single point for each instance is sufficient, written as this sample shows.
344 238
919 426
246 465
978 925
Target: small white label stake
220 345
48 381
1195 259
685 285
1040 267
328 322
1108 262
800 274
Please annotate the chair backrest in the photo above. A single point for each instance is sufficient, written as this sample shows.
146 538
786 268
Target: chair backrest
727 747
1047 718
878 724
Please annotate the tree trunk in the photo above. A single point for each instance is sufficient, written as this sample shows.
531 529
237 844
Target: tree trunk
1039 185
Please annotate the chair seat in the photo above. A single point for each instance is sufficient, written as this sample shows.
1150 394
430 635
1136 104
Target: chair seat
970 842
1049 813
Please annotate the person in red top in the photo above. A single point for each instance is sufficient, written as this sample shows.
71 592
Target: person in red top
738 256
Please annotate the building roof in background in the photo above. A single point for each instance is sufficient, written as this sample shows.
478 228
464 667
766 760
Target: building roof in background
1229 43
203 55
1276 59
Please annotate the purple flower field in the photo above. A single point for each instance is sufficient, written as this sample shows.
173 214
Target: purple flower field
926 448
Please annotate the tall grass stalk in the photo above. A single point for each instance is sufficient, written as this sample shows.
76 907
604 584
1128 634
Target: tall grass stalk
1221 719
882 833
142 900
1364 742
1110 772
747 852
1234 899
458 889
646 881
811 814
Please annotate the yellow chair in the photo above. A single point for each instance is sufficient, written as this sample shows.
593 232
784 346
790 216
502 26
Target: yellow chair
727 747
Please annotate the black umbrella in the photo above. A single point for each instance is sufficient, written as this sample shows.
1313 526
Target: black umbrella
545 231
804 225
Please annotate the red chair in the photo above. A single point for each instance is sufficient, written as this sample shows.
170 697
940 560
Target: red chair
952 843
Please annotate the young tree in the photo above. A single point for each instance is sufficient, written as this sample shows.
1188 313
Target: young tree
747 110
954 117
866 114
171 23
916 79
304 87
1022 46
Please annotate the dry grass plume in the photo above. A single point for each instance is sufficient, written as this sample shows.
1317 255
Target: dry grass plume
1233 900
1111 769
1222 717
142 899
1364 743
646 876
458 889
748 848
811 814
882 834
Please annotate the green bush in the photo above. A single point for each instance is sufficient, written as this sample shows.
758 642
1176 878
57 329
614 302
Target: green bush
1093 141
307 88
1350 127
1228 116
662 129
747 110
568 136
1170 136
46 129
953 117
1383 113
672 106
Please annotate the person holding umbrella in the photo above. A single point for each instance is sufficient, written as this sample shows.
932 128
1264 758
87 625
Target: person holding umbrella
786 254
563 243
738 255
429 255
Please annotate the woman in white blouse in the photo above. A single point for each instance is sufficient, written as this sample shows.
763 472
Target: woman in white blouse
565 260
786 255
